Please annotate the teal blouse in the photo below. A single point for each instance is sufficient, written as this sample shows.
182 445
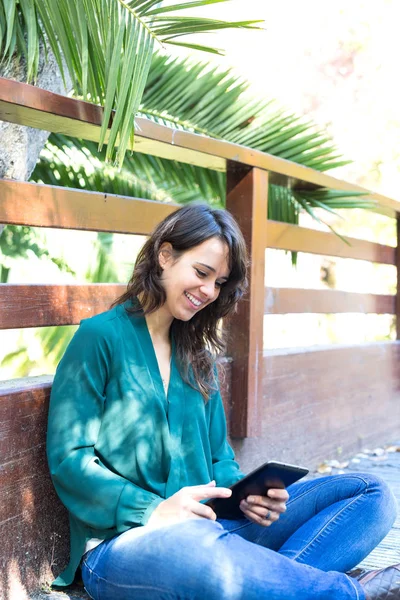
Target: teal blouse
116 445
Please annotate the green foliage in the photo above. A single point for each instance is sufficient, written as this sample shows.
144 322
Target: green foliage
103 268
53 342
19 241
106 46
198 97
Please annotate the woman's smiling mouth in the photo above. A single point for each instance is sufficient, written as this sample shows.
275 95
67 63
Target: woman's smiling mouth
194 301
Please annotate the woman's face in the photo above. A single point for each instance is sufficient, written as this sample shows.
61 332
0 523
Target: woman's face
194 279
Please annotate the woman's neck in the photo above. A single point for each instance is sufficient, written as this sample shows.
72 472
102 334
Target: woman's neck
158 324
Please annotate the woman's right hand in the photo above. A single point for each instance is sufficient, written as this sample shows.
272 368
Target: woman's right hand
185 504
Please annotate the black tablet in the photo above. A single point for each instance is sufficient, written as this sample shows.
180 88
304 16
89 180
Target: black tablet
271 474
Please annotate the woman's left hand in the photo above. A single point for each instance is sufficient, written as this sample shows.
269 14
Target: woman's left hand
264 510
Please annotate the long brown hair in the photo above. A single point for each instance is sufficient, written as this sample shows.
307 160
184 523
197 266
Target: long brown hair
199 340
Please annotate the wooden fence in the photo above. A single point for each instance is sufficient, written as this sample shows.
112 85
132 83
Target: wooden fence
248 174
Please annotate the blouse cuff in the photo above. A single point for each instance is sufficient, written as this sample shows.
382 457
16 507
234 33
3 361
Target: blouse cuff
135 507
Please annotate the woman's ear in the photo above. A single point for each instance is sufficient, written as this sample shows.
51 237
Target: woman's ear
165 255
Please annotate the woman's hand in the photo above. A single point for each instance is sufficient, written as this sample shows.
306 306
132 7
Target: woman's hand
185 505
264 510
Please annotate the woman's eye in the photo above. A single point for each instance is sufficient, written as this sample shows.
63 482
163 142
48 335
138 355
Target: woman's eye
201 273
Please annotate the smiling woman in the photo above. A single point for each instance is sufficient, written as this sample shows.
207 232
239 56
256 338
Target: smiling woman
189 274
137 441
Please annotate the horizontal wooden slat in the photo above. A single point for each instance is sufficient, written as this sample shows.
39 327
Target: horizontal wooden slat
50 206
38 205
45 305
280 301
284 236
31 106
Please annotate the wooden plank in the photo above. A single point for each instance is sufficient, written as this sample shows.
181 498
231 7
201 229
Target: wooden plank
247 193
45 305
31 106
51 206
327 403
279 301
284 236
39 205
33 522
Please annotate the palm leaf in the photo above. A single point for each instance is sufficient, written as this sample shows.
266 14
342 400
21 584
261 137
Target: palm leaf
107 48
201 98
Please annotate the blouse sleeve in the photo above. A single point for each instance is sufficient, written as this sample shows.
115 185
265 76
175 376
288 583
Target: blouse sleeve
226 470
93 493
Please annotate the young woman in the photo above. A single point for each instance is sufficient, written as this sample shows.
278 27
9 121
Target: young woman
137 442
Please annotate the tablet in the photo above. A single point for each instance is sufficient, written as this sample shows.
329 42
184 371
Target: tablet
271 474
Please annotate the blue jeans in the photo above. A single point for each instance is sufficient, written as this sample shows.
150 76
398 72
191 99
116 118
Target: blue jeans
330 525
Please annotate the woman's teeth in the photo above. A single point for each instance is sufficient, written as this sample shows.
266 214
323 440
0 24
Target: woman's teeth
192 299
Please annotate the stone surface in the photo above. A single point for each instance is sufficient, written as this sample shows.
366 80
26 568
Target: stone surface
75 593
20 146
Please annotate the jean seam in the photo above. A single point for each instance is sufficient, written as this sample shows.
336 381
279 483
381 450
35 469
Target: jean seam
322 484
326 525
96 557
239 528
352 583
129 587
95 581
91 597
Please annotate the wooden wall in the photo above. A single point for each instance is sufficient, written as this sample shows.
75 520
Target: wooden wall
316 402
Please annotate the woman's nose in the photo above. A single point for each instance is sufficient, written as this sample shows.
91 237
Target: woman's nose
208 290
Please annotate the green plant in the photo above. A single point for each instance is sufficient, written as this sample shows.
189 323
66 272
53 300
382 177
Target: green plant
20 241
106 47
216 103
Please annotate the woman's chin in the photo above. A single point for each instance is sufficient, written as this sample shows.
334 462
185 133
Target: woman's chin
184 314
184 317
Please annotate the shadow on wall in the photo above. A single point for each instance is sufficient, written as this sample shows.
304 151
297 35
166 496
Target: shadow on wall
33 523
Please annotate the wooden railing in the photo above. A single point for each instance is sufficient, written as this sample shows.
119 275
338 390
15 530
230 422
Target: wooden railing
248 174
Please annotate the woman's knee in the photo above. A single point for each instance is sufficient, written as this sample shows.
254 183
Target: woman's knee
385 500
185 559
193 541
388 499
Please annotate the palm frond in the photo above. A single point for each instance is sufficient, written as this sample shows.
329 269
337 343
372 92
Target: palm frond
201 98
107 47
75 163
218 104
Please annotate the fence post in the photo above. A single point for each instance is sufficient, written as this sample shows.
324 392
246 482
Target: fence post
247 197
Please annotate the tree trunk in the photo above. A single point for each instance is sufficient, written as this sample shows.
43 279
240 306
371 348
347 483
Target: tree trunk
20 146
